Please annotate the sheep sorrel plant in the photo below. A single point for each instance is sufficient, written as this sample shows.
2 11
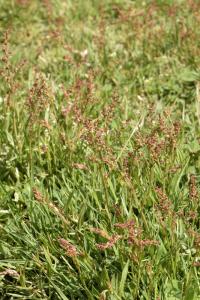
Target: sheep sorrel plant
99 150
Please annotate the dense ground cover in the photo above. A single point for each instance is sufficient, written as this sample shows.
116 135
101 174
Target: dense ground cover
99 149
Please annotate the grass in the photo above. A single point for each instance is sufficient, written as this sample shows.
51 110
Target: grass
100 144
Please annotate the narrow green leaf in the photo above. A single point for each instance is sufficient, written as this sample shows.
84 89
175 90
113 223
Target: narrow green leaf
123 279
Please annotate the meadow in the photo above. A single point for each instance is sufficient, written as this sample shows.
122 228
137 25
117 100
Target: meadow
99 149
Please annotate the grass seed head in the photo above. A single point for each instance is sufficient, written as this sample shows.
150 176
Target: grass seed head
70 249
112 241
193 192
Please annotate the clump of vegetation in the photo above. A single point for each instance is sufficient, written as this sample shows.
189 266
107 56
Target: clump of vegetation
100 143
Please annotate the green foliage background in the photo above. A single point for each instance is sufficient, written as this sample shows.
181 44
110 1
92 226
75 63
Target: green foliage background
99 124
